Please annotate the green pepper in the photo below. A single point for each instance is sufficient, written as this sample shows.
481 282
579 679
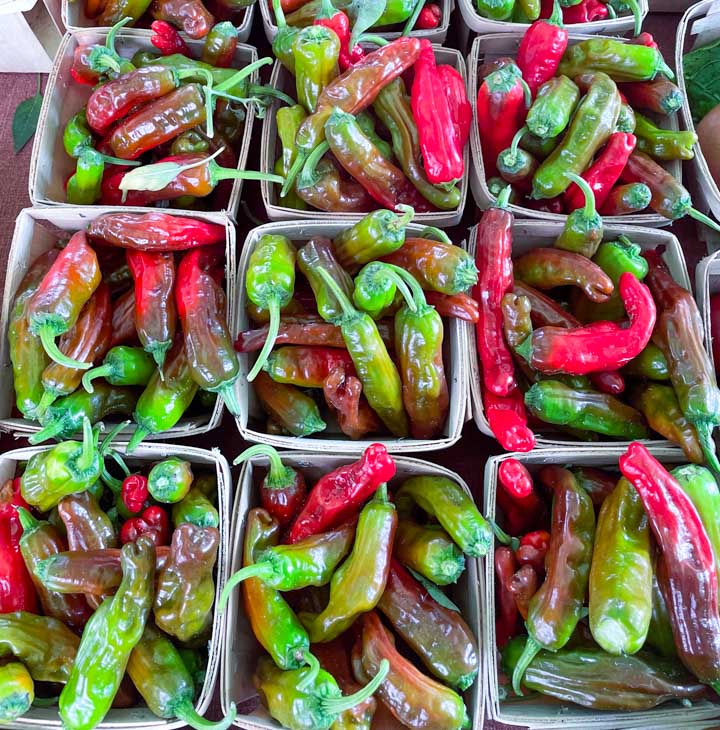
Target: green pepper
289 406
556 608
663 144
110 635
626 121
77 135
514 164
621 573
593 123
620 61
17 691
553 107
392 105
377 372
316 50
159 674
309 562
169 480
446 501
116 10
367 124
660 634
195 662
554 402
284 41
84 187
269 283
429 551
627 6
583 230
220 43
196 509
358 584
191 142
538 148
495 9
396 11
318 254
304 699
650 364
288 120
122 366
374 291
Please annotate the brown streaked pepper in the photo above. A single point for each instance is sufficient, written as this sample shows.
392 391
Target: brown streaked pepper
326 190
544 310
598 483
123 320
296 411
343 394
523 586
190 16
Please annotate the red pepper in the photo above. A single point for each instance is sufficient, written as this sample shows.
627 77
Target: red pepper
502 104
609 381
507 419
539 539
338 22
604 172
523 586
599 346
506 612
341 493
532 552
152 523
459 306
167 39
585 12
134 492
495 279
541 50
452 84
715 328
81 70
520 514
429 18
17 592
441 149
645 39
343 394
514 476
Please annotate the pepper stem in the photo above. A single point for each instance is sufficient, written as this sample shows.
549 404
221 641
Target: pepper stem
437 232
53 351
611 12
100 372
338 705
348 309
279 476
503 537
298 165
279 15
104 448
273 307
87 454
637 15
308 176
110 40
664 69
589 210
27 521
702 218
227 393
386 271
327 10
524 349
413 18
401 221
47 399
704 432
381 493
376 40
256 570
263 90
516 141
49 431
530 651
412 283
504 197
556 15
140 433
218 173
312 672
526 90
186 712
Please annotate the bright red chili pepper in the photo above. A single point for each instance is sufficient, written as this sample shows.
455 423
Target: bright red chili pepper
514 476
586 11
339 494
152 523
532 550
338 22
645 39
507 419
452 84
429 18
506 613
134 492
541 50
167 39
441 149
604 172
81 71
539 539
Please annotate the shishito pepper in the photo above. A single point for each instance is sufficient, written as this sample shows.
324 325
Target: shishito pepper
87 526
358 584
430 551
660 95
663 144
185 587
555 609
315 254
553 107
157 670
85 185
621 573
583 231
63 292
626 199
297 412
108 639
122 366
516 165
541 49
220 44
590 677
191 17
196 509
316 50
343 394
650 364
660 635
170 479
455 510
288 120
17 691
325 189
307 367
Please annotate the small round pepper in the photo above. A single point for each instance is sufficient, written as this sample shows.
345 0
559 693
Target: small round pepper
170 480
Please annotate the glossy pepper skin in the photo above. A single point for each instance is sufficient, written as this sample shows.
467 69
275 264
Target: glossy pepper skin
196 509
507 419
297 412
85 186
327 190
316 50
650 364
316 253
626 199
663 144
583 229
152 523
660 635
445 500
115 10
343 394
553 106
220 44
555 609
621 573
123 320
306 367
338 22
26 351
687 574
413 698
429 551
169 480
87 526
122 365
110 635
288 120
660 96
439 636
63 292
17 691
592 678
192 17
597 483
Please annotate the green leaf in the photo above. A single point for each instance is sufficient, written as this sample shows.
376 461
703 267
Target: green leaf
26 118
368 13
434 591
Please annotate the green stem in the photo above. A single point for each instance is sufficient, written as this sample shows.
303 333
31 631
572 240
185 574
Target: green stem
295 168
413 18
389 273
526 89
665 70
218 173
256 570
99 372
53 351
50 431
698 216
110 436
413 284
118 161
637 15
611 12
704 432
273 307
516 142
47 399
441 236
327 10
503 537
227 393
343 301
140 433
257 90
529 653
111 482
278 476
27 521
110 40
401 221
308 176
381 493
279 15
376 40
589 210
311 674
119 460
338 705
243 73
504 197
556 15
186 712
87 454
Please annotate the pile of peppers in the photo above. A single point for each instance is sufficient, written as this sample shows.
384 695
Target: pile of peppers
323 563
610 600
369 347
573 11
162 126
129 318
107 585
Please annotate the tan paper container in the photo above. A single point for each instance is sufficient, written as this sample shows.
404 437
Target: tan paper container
534 711
707 283
709 190
282 79
434 35
140 718
533 234
506 44
241 648
37 230
609 26
50 165
456 343
73 14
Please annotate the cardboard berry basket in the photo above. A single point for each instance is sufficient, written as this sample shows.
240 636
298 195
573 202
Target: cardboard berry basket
282 79
492 46
528 235
140 717
36 231
534 710
250 422
242 650
51 166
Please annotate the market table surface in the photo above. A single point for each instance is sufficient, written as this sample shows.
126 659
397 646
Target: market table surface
468 456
